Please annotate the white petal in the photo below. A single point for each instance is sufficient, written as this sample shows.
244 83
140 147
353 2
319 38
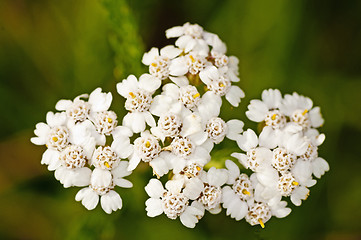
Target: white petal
234 95
235 127
170 51
138 122
81 177
319 166
122 131
188 219
121 170
316 117
160 166
49 156
124 183
242 158
198 138
122 147
178 67
180 80
174 32
153 207
100 101
154 188
149 119
88 198
193 188
62 105
174 186
150 56
272 98
300 193
233 171
160 105
101 177
257 111
149 83
247 140
111 202
268 138
133 161
217 177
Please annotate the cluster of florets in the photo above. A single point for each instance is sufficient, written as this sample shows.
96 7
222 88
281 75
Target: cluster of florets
77 149
284 157
172 125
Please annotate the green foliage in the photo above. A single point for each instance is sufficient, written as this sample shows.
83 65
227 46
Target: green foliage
124 39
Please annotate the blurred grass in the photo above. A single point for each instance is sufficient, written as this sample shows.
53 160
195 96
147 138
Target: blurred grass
59 49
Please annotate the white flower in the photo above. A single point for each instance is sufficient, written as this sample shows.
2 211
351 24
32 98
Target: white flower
216 128
235 199
219 84
148 149
268 109
53 133
101 186
79 110
256 158
190 37
184 152
192 63
211 195
171 201
139 98
159 63
121 143
104 157
72 170
290 184
300 111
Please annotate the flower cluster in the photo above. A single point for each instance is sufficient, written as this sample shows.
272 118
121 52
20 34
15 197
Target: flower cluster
77 152
172 124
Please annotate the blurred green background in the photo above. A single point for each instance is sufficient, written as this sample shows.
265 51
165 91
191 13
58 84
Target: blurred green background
59 49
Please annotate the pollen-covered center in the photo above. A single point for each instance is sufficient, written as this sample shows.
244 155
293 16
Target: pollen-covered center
193 30
182 146
220 60
101 189
243 187
58 138
138 101
173 204
78 111
189 96
311 152
73 157
210 196
216 129
105 158
220 86
170 124
275 119
286 184
259 213
105 122
301 118
282 160
195 63
192 170
252 160
160 67
147 147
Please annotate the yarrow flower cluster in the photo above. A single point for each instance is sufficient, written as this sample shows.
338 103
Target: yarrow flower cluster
172 124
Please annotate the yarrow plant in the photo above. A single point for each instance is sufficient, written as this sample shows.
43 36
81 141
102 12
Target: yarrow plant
172 125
